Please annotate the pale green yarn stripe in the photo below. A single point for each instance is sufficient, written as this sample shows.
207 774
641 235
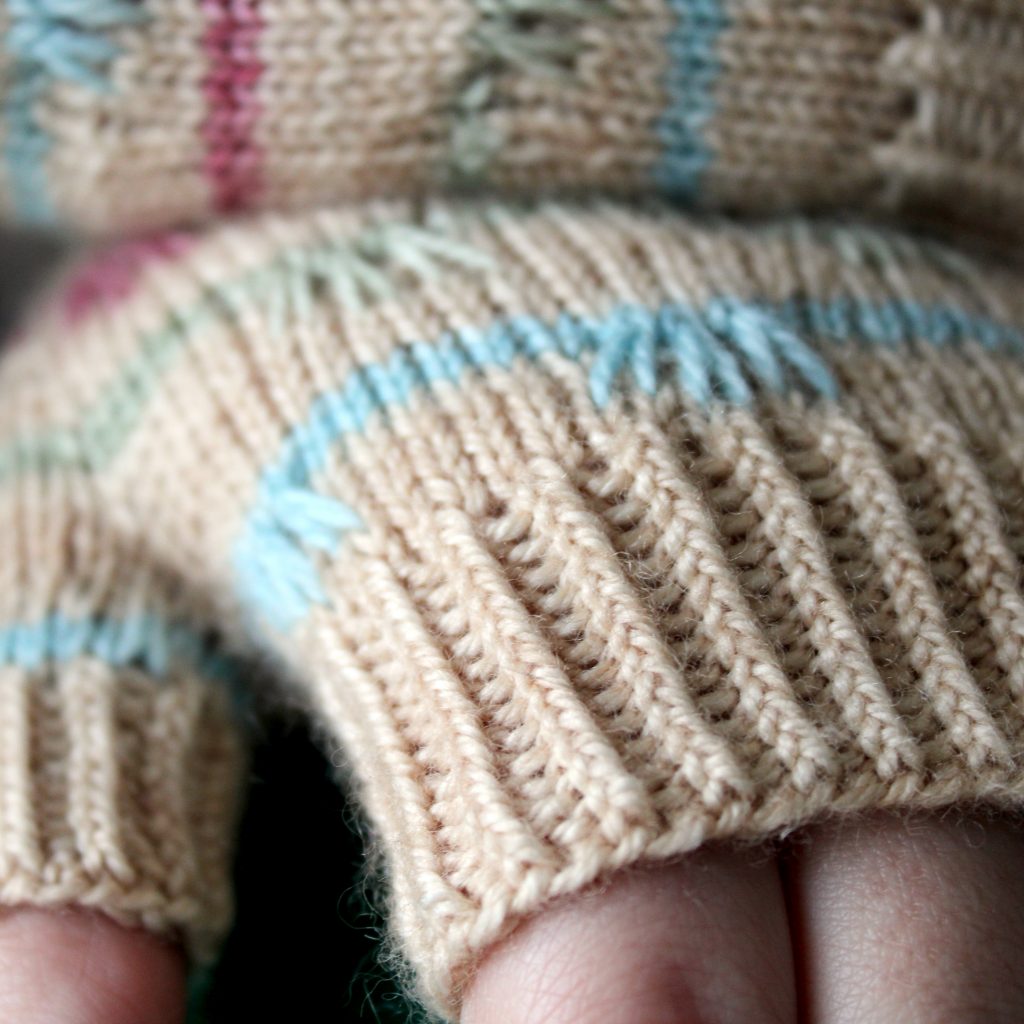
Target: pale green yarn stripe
351 268
350 271
104 428
536 38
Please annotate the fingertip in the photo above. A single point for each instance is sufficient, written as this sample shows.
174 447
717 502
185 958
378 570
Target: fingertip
911 918
81 967
701 941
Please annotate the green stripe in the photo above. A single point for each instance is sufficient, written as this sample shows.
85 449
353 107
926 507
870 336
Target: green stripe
538 39
356 271
106 425
353 272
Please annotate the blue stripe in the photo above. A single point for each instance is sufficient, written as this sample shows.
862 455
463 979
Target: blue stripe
725 351
26 146
142 641
693 69
51 40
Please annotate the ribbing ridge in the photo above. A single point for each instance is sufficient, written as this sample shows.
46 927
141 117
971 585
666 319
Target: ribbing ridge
645 347
119 795
723 316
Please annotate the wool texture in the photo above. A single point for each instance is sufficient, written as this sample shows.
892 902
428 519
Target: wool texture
120 115
590 533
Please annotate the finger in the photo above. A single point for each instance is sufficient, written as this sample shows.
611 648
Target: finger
919 921
82 968
701 941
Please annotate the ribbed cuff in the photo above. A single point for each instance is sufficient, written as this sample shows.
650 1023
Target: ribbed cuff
118 792
569 638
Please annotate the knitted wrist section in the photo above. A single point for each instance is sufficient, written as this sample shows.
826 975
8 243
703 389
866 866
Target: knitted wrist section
119 755
566 640
592 534
119 795
116 114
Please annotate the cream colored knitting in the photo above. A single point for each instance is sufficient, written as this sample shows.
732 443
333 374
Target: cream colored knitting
121 114
591 534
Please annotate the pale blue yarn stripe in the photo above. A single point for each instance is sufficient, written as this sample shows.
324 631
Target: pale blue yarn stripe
718 352
52 40
693 69
26 146
144 641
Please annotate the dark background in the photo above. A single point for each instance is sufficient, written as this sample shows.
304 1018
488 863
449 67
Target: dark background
306 945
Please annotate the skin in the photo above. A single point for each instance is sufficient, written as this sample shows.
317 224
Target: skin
872 921
876 921
78 967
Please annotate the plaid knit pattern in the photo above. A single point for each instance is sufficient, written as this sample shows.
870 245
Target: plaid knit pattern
591 534
116 114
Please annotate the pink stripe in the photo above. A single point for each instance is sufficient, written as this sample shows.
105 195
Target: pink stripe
112 274
232 157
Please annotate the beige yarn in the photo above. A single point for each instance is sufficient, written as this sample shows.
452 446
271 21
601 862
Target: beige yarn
562 618
611 638
908 107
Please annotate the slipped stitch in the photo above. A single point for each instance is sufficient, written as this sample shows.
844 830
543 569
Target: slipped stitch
363 271
718 352
52 40
67 39
530 37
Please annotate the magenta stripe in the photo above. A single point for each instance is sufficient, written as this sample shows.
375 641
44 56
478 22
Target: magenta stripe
233 160
112 274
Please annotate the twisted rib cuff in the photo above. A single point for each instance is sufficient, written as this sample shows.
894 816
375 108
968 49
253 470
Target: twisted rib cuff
567 639
118 792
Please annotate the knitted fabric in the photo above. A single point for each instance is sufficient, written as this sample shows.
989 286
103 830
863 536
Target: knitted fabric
120 114
120 761
589 534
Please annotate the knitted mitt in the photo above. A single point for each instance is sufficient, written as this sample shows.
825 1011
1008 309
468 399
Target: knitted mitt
122 114
591 535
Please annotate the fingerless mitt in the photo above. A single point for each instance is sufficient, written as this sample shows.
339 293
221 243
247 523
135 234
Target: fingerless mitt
120 114
588 534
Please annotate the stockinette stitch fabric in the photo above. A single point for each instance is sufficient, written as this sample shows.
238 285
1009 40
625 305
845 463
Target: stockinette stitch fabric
119 114
589 532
